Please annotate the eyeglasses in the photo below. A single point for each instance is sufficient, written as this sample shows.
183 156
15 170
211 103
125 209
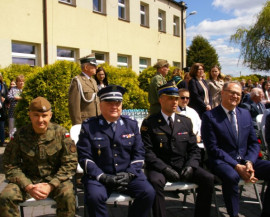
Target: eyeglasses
233 92
184 97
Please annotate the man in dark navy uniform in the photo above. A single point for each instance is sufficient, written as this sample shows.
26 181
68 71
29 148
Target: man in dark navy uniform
111 153
172 153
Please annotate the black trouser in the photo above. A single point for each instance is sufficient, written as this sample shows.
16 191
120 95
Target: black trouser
201 177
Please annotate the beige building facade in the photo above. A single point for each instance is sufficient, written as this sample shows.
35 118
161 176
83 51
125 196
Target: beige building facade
128 33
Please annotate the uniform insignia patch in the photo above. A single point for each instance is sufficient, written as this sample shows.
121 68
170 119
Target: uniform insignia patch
144 128
67 135
160 133
72 147
127 136
182 133
121 122
100 121
98 139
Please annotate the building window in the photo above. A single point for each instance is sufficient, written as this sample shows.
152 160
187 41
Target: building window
66 54
176 28
123 9
99 6
176 64
122 61
161 21
101 57
24 54
144 11
70 2
144 63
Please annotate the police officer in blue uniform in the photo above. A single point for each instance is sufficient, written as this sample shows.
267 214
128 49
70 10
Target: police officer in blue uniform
111 152
172 153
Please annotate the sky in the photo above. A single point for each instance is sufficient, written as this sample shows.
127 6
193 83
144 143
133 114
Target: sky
217 20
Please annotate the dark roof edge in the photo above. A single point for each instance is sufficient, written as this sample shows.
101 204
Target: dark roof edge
181 4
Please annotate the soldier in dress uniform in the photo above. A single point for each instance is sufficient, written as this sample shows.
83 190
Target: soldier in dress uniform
83 102
158 80
172 154
111 153
38 163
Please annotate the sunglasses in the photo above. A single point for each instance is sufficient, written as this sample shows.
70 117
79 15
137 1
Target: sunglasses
184 97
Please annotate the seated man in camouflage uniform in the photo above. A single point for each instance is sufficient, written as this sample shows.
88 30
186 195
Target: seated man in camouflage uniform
38 163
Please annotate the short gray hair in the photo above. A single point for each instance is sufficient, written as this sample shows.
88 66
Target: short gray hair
226 84
255 92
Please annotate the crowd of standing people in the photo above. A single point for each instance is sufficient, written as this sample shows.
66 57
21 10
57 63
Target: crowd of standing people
112 150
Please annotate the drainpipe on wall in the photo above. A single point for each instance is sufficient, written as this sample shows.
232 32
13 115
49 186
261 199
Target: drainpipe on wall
184 7
45 32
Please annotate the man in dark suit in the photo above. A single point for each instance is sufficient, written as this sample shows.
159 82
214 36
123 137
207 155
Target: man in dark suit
110 151
172 153
83 102
232 147
254 104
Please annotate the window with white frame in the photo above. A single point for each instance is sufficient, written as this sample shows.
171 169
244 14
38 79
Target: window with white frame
99 6
66 54
123 8
144 63
144 12
161 21
176 64
101 57
176 26
70 2
122 61
23 53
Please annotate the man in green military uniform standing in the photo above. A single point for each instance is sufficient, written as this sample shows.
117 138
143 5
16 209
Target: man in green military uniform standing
158 80
38 163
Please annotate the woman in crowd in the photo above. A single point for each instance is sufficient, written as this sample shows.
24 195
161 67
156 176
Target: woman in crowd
14 97
176 76
200 97
101 78
3 96
184 83
215 84
266 89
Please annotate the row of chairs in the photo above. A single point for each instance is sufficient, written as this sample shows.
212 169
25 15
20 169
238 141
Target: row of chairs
116 197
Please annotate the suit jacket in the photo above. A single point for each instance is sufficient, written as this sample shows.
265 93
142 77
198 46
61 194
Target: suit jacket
220 142
100 150
79 110
253 109
165 148
197 95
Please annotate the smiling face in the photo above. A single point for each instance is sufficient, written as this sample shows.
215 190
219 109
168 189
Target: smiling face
111 110
215 72
183 99
101 76
40 120
231 96
200 72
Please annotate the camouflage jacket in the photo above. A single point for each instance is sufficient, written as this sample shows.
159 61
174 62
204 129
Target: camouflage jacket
32 158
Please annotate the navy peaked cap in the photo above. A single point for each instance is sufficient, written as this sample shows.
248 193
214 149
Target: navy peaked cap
111 93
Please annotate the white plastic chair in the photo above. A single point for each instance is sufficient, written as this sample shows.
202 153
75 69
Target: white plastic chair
33 203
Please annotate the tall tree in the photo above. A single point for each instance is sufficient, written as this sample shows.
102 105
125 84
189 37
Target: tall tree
255 41
201 51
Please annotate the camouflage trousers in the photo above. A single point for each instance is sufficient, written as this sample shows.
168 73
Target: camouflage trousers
12 195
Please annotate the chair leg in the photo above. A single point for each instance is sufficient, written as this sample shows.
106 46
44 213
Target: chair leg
21 211
215 201
263 190
258 196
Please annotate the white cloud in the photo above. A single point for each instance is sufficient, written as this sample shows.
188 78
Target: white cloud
239 7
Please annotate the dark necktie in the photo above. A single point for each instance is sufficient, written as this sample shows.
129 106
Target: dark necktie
112 126
233 123
182 109
170 122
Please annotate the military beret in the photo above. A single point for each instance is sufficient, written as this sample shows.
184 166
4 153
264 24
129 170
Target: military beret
169 89
111 93
89 59
161 63
40 104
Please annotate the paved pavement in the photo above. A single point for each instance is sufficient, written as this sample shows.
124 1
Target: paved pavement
175 206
